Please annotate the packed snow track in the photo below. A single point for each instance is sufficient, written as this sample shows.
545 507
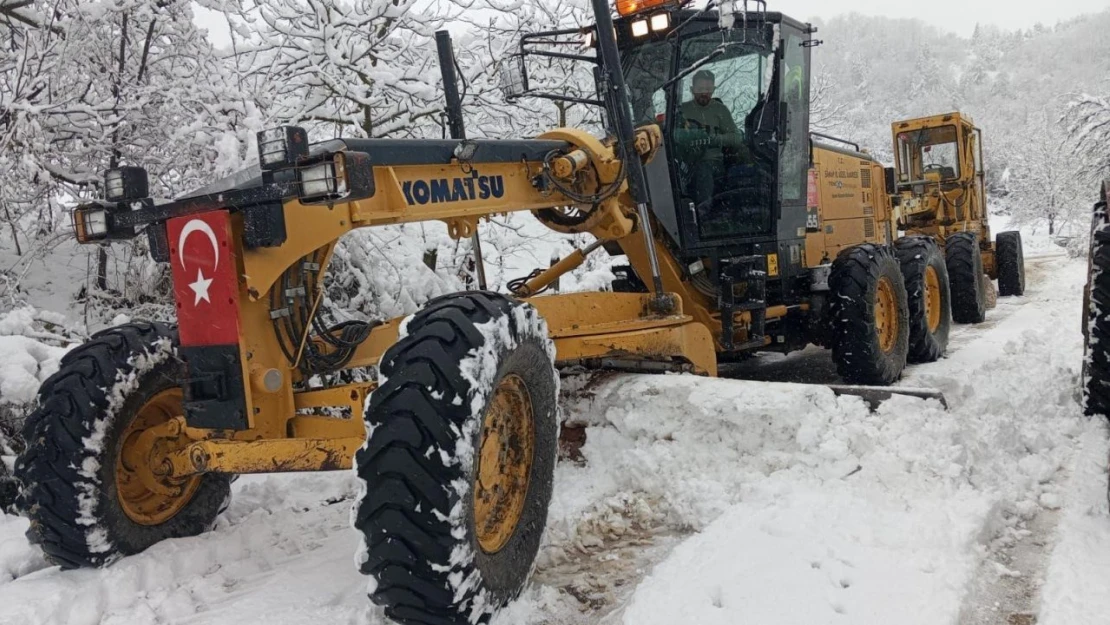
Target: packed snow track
715 501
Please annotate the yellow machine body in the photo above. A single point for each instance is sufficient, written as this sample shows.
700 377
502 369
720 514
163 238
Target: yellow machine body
848 204
292 428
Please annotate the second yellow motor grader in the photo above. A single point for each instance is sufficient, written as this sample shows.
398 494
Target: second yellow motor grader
939 191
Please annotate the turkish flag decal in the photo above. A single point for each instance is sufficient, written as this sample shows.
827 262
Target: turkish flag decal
204 279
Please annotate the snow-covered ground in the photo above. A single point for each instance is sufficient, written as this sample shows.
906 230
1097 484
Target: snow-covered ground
716 501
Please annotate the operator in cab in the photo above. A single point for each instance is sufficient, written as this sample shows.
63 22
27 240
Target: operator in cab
709 134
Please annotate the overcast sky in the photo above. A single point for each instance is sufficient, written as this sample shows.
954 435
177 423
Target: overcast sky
959 16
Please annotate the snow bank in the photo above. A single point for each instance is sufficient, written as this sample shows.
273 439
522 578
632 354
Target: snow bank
1075 589
24 364
30 352
280 555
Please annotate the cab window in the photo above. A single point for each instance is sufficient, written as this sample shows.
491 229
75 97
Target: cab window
928 154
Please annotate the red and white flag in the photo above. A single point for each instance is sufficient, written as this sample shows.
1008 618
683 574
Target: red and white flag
204 278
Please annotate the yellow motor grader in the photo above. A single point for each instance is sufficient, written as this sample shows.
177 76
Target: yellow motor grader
789 241
939 191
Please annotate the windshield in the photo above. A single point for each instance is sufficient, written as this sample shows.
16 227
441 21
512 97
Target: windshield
740 75
928 154
716 104
737 78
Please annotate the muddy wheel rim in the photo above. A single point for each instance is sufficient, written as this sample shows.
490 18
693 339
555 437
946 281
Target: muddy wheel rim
504 464
135 471
886 315
932 299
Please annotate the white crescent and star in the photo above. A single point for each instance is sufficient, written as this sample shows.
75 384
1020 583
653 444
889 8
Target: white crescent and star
200 286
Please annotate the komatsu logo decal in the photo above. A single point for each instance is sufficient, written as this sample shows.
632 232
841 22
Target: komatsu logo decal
472 187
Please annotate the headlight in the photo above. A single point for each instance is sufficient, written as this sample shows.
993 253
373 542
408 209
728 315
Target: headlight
124 184
339 176
660 21
639 28
90 223
281 147
320 181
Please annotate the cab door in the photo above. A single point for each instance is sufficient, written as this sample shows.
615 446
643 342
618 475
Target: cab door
724 186
795 157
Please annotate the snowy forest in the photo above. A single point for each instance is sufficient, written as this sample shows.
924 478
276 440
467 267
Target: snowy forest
89 85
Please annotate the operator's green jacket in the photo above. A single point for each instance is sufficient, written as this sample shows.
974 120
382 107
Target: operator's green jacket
717 122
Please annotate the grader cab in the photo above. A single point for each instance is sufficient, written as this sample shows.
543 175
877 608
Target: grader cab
746 232
939 191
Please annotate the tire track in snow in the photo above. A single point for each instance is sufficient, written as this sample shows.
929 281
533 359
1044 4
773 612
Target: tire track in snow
1005 588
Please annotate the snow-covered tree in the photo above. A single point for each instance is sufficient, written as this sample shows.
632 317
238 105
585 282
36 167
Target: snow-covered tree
1045 179
825 113
498 37
1089 126
363 68
90 85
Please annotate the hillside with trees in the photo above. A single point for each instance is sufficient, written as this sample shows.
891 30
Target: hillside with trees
89 84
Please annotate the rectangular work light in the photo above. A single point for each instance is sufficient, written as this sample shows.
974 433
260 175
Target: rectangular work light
281 147
90 223
514 77
124 184
334 177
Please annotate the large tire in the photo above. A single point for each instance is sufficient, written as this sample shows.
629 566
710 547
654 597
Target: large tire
868 315
928 297
965 271
1096 315
471 370
85 508
1011 263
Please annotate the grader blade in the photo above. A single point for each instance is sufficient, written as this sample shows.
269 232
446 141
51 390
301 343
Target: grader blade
875 395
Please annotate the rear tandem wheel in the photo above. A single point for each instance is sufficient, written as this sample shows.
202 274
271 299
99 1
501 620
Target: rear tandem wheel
965 275
868 315
928 295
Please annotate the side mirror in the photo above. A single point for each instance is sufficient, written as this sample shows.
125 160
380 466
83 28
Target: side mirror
514 77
